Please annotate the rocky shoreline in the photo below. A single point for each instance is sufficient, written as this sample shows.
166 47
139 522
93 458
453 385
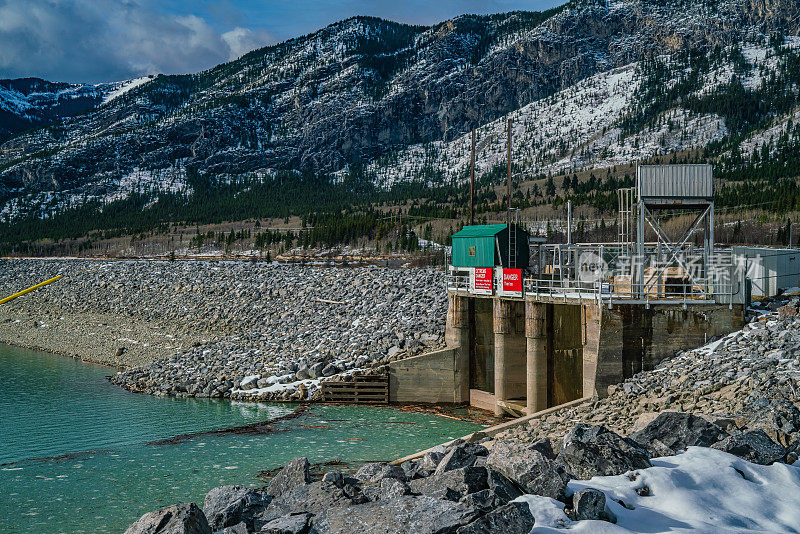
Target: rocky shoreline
723 412
238 330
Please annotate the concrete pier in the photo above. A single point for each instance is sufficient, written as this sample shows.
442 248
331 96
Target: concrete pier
503 325
509 353
536 356
457 336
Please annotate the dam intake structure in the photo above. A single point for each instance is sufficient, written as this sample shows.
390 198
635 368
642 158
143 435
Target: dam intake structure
532 325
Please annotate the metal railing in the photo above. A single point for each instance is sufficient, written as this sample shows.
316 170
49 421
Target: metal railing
616 290
608 273
610 291
457 283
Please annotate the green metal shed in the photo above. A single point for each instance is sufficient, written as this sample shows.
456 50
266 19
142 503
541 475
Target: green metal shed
486 245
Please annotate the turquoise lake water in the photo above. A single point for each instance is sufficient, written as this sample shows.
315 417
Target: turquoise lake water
76 453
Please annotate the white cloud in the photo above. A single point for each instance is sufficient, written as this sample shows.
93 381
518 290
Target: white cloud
97 40
242 40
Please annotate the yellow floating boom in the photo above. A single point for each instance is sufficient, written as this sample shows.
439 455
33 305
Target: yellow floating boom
37 286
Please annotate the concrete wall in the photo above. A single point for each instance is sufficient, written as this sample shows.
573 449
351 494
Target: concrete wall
431 377
677 329
566 359
632 337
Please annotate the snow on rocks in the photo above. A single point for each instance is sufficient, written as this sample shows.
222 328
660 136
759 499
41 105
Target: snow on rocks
700 491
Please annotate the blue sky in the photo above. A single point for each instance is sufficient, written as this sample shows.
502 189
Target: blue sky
105 40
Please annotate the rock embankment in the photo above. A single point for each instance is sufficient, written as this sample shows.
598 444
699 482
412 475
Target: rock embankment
224 329
738 395
468 487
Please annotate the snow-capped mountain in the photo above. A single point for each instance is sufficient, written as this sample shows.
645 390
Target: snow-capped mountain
590 83
29 102
584 126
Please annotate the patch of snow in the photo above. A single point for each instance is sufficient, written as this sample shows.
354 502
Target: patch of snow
14 101
124 87
700 491
310 384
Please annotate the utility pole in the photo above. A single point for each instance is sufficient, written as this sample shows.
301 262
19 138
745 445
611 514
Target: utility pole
569 222
472 182
508 182
790 234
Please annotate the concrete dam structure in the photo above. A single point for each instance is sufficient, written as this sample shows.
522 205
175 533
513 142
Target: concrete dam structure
533 325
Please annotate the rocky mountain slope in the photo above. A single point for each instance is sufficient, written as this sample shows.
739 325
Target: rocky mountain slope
368 91
615 118
26 103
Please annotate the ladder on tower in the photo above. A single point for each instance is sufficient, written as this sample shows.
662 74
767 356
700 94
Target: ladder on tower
625 197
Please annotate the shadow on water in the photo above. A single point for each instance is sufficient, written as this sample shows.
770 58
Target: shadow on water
260 427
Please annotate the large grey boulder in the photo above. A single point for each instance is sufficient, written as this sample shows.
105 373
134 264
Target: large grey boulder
589 451
529 468
778 417
388 488
672 432
545 447
506 490
293 475
461 455
392 487
238 528
377 471
409 514
334 477
312 498
249 382
512 518
315 371
453 484
425 466
483 501
183 518
290 524
589 504
754 446
226 506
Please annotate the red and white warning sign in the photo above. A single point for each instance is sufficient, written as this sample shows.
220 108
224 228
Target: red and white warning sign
512 282
481 280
